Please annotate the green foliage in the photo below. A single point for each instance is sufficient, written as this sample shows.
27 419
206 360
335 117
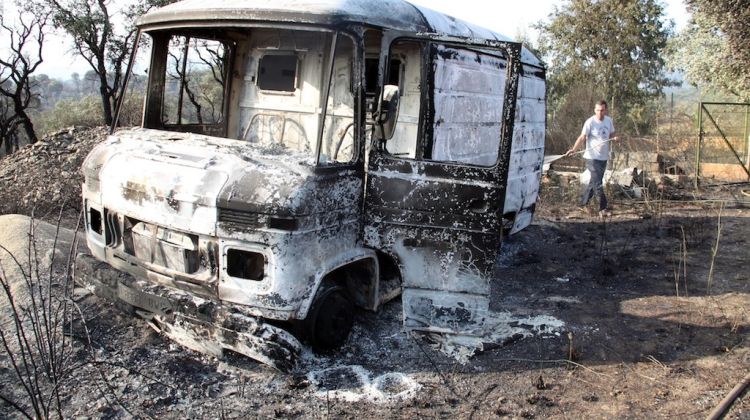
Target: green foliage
612 49
131 110
640 118
104 42
714 49
86 111
566 119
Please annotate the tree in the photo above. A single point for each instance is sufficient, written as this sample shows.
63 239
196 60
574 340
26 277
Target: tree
7 125
612 49
47 90
714 49
100 42
90 78
23 56
75 79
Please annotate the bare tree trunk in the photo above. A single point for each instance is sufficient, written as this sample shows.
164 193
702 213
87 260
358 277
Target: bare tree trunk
19 108
10 142
105 93
106 105
28 127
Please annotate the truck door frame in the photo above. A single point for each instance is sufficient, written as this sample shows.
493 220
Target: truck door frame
441 221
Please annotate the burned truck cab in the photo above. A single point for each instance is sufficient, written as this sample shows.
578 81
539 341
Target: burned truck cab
299 159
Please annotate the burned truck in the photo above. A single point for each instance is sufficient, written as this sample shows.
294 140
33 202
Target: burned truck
300 159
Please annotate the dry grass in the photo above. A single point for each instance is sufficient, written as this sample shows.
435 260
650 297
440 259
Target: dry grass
36 339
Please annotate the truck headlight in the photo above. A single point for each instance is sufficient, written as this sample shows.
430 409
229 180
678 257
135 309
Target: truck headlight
245 264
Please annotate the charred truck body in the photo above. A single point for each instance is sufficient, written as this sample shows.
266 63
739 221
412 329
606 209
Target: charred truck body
299 158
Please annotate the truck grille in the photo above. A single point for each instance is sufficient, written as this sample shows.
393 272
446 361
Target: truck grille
163 247
240 218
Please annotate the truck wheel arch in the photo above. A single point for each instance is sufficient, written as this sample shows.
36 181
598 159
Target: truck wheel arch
357 275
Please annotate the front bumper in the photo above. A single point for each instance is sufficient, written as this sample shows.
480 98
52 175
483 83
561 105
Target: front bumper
204 325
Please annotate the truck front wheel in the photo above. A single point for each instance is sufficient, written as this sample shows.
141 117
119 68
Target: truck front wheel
330 319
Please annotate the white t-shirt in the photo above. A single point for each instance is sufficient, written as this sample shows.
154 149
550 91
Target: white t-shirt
597 137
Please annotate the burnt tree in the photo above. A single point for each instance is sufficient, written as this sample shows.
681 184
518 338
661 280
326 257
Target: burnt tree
23 56
8 125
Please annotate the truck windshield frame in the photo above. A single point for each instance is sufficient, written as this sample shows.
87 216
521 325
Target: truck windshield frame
315 106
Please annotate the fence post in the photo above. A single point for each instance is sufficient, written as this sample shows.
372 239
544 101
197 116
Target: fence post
700 144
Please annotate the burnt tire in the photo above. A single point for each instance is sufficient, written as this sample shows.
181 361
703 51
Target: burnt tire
331 318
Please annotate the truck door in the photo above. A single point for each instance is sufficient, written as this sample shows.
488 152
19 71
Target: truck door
435 190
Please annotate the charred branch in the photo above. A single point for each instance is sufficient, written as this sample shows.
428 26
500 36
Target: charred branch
16 67
214 61
96 40
180 74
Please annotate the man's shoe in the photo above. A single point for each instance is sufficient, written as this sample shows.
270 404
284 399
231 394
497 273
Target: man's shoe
605 213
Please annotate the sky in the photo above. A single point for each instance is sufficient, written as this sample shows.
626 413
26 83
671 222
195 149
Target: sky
510 18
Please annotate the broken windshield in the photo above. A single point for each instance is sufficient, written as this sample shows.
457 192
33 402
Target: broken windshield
194 81
281 91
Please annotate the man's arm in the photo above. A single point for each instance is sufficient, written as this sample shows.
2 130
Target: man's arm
612 132
580 140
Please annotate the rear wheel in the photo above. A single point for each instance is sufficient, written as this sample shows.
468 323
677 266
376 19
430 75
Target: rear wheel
330 319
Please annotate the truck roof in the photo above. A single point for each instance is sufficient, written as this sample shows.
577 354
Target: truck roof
388 14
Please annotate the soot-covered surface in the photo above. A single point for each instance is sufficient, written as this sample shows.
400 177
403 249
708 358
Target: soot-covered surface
646 333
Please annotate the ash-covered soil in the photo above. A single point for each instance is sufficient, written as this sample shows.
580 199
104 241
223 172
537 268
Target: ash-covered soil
654 302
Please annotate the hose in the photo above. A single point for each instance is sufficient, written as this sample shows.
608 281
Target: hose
724 405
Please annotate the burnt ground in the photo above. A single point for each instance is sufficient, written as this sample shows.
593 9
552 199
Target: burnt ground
645 334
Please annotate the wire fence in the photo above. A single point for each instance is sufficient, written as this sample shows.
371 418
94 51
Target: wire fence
723 148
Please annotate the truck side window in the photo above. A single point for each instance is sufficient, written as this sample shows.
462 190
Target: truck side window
408 56
278 72
396 69
457 109
194 82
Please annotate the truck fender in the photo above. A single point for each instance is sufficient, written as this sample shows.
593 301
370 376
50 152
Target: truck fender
356 270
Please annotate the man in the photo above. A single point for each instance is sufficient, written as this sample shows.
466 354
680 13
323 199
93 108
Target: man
598 131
